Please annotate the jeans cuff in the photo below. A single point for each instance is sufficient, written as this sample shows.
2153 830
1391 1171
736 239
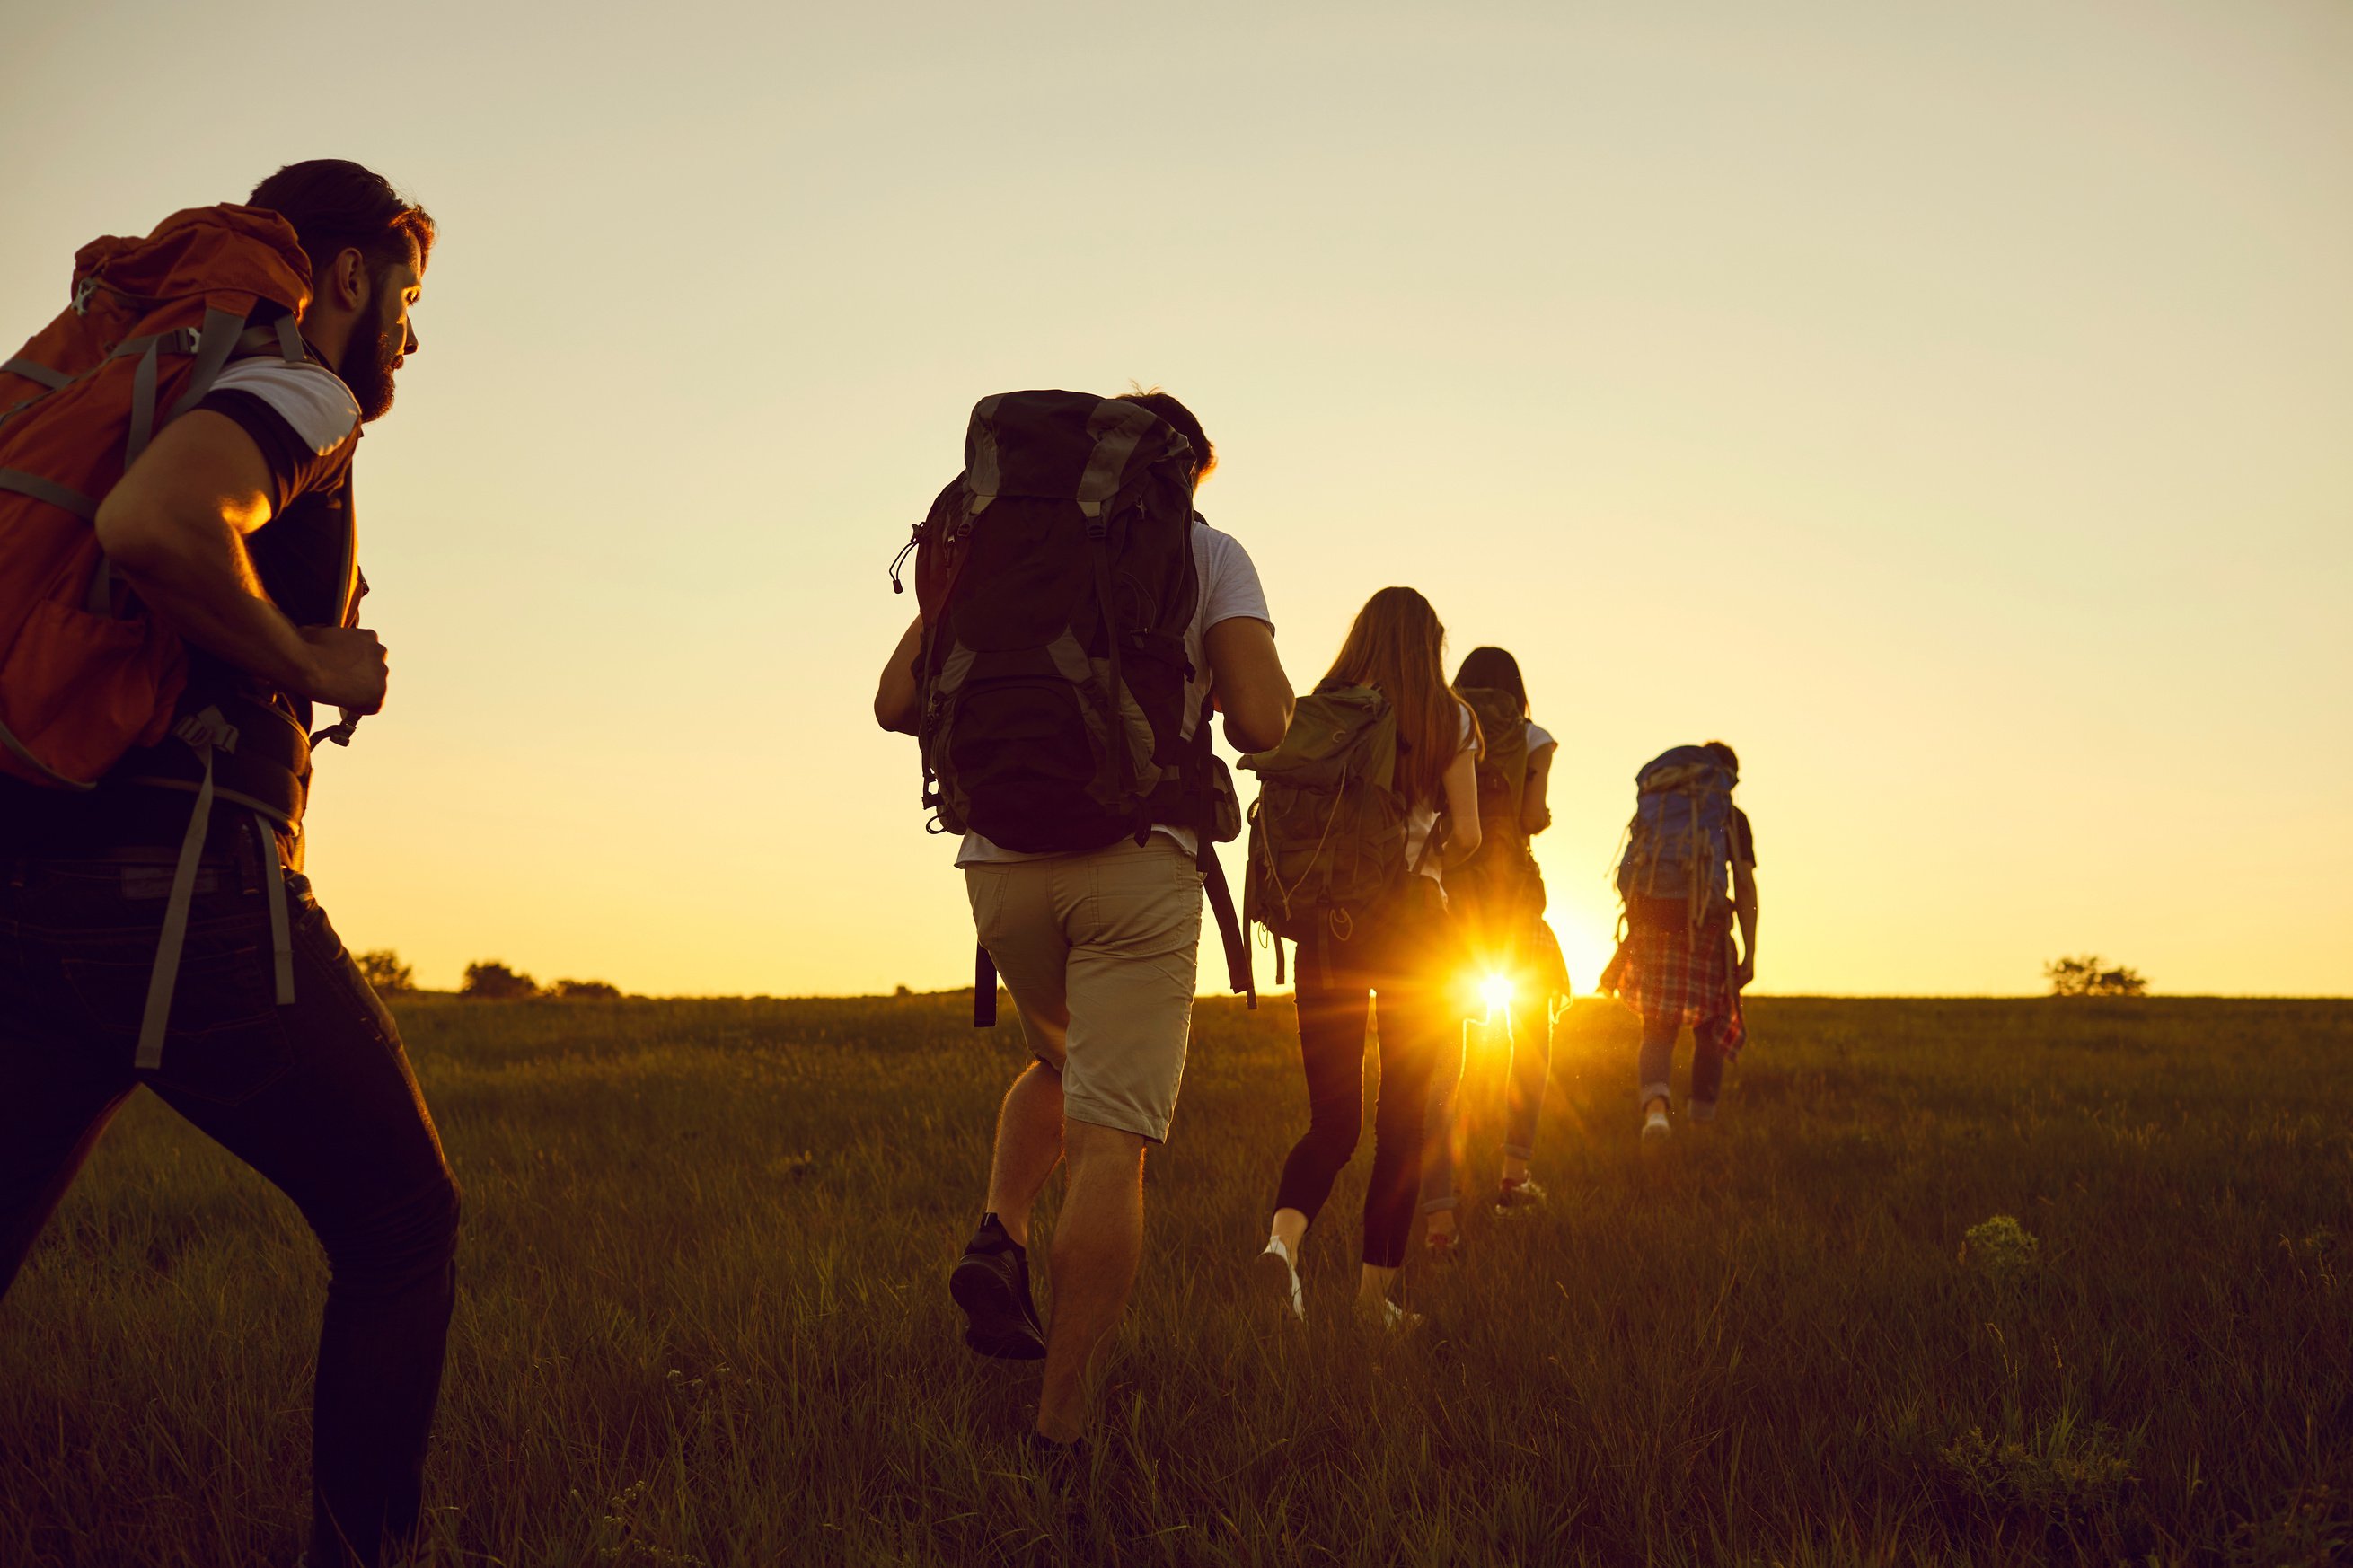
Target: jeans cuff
1700 1111
1519 1151
1438 1205
1650 1091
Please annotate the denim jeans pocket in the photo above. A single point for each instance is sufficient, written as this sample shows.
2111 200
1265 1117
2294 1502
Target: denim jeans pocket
227 1040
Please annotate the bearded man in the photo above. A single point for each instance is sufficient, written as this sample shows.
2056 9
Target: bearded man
235 529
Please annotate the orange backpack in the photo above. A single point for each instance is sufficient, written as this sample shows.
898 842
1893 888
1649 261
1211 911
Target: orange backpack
85 674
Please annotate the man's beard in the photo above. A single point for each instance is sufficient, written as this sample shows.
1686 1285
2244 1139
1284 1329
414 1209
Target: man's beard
368 362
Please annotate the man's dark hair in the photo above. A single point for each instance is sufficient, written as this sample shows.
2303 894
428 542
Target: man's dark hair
1176 415
1725 754
1491 670
335 205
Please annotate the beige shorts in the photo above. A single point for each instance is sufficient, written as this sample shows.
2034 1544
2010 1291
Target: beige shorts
1099 951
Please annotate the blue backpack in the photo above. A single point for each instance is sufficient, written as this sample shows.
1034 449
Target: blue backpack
1679 845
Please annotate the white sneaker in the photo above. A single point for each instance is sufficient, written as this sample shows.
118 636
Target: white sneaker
1394 1318
1521 1196
1655 1123
1281 1276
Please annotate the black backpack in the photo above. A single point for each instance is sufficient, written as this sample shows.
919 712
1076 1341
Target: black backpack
1057 582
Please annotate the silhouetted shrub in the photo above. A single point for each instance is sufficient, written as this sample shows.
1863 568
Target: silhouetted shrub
384 970
585 991
497 983
2090 976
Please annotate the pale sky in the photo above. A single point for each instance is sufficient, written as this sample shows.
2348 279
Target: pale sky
1950 406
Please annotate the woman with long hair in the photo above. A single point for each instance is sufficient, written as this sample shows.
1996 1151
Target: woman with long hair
1400 950
1497 897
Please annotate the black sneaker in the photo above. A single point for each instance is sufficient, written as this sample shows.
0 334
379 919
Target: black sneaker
991 1283
1061 1463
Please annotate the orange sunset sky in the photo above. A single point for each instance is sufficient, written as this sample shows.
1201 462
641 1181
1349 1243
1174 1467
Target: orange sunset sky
1947 406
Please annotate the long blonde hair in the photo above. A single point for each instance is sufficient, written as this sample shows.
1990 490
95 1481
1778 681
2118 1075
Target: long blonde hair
1397 647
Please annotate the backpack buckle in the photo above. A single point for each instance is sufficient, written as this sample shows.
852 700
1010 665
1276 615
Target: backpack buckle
208 729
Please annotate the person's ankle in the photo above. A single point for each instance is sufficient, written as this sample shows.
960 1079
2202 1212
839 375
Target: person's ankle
1060 1428
994 1236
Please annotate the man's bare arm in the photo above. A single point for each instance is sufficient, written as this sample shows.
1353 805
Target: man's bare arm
174 526
895 697
1246 677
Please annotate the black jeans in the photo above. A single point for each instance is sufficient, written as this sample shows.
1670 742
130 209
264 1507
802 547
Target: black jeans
1407 960
318 1097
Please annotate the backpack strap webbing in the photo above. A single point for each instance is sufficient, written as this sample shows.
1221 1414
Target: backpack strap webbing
31 371
1240 972
984 988
208 732
281 936
205 733
49 490
1200 785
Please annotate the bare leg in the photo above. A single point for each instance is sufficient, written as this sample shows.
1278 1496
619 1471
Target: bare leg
1291 1229
1098 1242
1028 1147
1373 1287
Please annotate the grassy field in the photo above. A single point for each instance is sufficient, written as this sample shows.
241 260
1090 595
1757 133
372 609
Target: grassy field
701 1316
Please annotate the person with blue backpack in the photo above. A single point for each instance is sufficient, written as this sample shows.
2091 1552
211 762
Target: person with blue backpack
1687 876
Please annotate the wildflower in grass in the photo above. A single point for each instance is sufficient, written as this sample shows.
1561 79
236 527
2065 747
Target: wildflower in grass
2003 1249
2061 1472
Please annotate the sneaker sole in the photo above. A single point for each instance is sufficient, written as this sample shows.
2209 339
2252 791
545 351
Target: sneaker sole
1271 1279
994 1324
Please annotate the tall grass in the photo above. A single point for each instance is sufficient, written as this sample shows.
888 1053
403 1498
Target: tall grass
702 1320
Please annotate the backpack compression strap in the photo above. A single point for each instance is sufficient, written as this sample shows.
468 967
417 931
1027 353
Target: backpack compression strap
1118 429
1241 976
984 988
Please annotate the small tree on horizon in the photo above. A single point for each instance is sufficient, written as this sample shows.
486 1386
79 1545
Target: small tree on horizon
492 981
585 991
383 969
2090 975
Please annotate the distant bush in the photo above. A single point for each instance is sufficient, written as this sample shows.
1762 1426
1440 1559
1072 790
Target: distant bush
585 991
495 982
383 969
2003 1249
2091 977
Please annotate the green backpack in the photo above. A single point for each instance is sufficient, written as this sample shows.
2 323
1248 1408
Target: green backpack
1327 830
1503 766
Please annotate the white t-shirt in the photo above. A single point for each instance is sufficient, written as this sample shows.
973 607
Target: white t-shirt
1422 820
1229 590
312 400
1539 737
